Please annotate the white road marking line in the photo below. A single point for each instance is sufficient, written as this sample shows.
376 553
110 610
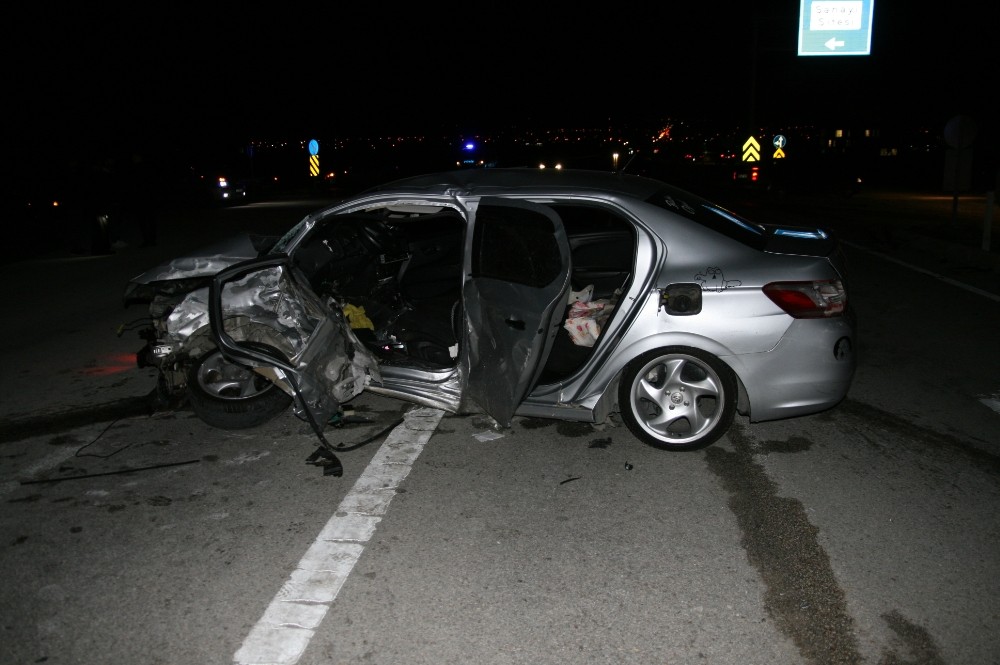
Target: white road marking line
946 280
992 402
52 460
282 634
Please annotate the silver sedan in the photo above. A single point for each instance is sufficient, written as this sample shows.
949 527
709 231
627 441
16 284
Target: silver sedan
561 294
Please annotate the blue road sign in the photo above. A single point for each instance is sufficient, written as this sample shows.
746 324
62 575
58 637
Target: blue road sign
836 27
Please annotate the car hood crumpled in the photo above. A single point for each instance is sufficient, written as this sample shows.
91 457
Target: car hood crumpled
202 263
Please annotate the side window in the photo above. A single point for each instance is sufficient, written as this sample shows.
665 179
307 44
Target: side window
600 238
602 244
515 245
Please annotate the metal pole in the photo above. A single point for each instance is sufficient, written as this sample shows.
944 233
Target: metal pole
954 200
988 221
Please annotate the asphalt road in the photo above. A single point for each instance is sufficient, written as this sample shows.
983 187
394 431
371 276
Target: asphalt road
866 534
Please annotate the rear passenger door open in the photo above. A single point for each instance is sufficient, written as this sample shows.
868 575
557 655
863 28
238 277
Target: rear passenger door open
515 298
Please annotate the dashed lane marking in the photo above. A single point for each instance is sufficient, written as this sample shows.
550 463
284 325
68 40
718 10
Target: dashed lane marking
282 634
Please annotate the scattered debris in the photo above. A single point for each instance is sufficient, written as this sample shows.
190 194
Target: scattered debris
326 459
108 473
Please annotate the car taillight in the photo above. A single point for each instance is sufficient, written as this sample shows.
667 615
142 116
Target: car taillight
808 300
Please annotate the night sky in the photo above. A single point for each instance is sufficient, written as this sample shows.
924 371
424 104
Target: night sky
171 76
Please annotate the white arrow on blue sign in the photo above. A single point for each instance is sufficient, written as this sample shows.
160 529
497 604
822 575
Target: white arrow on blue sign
836 27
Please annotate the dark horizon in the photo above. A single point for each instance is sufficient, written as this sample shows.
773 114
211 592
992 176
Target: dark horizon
121 80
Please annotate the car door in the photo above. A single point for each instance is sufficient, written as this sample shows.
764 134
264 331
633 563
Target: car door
515 298
264 314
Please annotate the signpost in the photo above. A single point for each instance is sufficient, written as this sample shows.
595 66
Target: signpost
959 133
835 27
313 158
779 142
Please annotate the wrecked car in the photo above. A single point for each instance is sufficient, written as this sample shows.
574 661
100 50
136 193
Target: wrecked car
558 294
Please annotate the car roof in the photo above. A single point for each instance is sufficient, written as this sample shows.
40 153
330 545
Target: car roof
508 179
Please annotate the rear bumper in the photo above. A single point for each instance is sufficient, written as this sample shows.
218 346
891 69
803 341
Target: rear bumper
810 370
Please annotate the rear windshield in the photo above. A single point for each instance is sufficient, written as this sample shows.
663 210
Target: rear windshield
711 215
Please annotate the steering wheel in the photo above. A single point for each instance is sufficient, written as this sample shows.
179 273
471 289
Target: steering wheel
378 236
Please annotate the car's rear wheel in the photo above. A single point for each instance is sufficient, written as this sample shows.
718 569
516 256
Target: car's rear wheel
677 398
230 396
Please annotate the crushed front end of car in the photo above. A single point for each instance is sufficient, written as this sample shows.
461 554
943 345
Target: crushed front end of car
262 311
175 293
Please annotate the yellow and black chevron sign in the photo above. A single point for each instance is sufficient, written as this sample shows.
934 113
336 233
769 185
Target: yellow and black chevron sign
751 150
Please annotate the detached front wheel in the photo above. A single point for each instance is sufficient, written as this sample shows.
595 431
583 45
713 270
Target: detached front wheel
230 396
676 398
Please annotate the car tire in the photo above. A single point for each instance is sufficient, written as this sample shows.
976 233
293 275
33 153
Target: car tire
227 395
677 398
